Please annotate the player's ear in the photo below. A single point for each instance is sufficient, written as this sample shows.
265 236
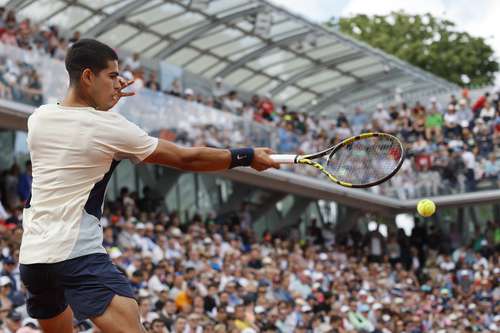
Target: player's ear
87 77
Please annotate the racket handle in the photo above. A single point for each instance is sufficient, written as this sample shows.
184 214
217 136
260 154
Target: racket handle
283 158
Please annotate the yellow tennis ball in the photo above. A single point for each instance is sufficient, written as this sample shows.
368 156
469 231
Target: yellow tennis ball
426 207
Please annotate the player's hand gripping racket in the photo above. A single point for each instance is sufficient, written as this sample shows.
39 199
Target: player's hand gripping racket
360 161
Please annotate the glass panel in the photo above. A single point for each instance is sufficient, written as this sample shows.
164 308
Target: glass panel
141 41
41 9
88 22
369 71
301 99
269 57
268 87
201 63
156 13
118 34
99 4
254 82
358 95
330 52
348 66
320 76
227 6
287 26
152 51
238 45
212 71
210 40
181 57
114 7
334 84
288 67
245 25
184 20
288 92
69 16
237 76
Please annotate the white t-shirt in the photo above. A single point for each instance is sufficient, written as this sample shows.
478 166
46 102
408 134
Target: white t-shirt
73 152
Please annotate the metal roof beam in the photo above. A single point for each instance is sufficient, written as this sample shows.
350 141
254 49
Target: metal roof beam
257 53
195 33
314 69
109 21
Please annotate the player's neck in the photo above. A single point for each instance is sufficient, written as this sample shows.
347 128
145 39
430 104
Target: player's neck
75 99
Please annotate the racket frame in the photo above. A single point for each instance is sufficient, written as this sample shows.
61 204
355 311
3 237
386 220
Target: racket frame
329 152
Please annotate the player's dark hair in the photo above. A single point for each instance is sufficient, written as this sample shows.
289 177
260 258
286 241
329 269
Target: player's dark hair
87 53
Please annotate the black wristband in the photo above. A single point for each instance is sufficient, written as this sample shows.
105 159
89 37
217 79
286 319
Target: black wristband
241 157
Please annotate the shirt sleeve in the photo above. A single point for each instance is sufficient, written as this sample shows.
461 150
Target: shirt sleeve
125 140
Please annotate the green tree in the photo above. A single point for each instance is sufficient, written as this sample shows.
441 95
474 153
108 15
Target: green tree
427 42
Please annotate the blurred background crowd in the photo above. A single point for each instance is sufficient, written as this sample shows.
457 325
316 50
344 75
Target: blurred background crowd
213 274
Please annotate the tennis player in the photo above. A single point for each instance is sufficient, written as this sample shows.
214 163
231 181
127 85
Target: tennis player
75 146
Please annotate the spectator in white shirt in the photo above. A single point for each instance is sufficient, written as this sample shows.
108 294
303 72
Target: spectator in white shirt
451 124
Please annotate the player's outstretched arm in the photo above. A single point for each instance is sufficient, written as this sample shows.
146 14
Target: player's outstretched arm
209 159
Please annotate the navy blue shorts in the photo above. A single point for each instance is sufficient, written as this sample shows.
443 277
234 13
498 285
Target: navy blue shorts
86 283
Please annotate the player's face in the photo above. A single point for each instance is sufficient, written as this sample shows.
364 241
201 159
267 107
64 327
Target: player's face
106 87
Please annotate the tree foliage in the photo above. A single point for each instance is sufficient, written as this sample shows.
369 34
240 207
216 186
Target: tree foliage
427 42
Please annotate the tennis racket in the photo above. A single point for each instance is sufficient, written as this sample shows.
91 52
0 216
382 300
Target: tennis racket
360 161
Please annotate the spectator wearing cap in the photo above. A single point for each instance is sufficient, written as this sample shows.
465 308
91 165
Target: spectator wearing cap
189 95
5 292
8 270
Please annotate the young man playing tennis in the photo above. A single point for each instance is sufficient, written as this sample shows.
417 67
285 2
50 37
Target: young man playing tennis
75 146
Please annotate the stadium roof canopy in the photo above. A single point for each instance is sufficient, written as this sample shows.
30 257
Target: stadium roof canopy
254 45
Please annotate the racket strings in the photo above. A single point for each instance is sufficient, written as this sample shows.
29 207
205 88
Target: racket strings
365 161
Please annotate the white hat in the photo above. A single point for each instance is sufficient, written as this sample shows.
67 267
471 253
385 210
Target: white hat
189 92
218 79
463 101
176 232
323 256
29 320
248 330
259 309
379 106
317 276
305 308
4 280
377 306
143 293
344 308
267 261
433 99
229 309
207 240
140 225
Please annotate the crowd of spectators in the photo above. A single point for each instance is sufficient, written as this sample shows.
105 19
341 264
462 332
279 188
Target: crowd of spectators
214 274
451 147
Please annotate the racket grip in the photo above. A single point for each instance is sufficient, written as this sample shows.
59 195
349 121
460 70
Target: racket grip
283 158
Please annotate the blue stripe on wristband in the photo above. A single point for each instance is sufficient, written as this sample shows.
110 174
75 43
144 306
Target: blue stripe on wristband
241 157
